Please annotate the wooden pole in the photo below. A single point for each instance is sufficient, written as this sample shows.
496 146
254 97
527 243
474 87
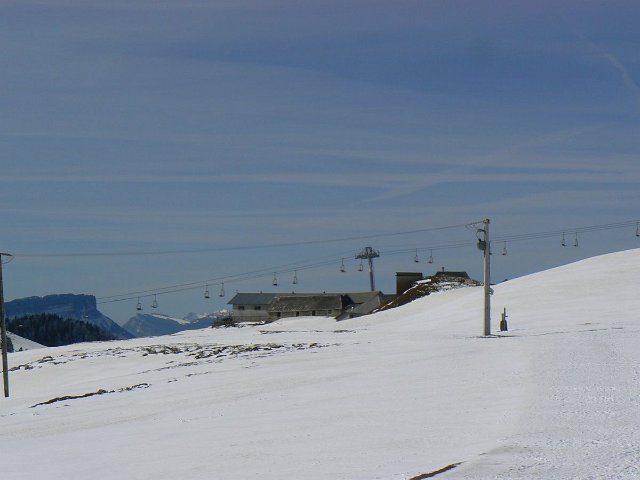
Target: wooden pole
3 335
487 279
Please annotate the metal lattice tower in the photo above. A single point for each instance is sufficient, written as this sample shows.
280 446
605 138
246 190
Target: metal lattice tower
369 254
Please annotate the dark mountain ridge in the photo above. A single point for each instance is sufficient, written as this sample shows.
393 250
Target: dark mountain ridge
68 305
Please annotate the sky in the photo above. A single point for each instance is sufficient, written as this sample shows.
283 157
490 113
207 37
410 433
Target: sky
192 142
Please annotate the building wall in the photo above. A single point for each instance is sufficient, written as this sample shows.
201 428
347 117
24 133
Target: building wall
249 313
273 316
404 281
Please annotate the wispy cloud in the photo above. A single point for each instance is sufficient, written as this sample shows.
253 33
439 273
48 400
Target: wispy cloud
628 80
633 87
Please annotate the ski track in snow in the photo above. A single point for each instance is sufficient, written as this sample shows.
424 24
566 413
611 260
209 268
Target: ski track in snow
574 426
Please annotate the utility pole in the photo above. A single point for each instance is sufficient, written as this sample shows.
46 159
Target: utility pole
484 244
3 334
369 254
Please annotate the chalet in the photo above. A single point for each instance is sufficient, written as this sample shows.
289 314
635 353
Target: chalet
268 307
307 305
251 307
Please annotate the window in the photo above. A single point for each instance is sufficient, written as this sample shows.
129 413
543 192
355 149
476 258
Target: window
240 307
257 307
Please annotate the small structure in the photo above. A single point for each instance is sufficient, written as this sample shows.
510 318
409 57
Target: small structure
503 321
251 307
406 280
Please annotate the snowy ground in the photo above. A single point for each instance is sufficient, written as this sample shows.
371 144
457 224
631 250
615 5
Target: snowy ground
389 396
22 343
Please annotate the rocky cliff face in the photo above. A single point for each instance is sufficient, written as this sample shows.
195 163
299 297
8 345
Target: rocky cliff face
77 307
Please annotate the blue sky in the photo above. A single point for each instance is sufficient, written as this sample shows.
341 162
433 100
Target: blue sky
147 126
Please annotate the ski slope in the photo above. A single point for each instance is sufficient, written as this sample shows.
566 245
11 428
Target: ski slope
396 395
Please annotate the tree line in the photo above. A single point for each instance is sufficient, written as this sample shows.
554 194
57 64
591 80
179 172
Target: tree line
54 331
9 345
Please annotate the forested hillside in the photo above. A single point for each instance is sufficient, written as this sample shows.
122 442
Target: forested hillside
53 331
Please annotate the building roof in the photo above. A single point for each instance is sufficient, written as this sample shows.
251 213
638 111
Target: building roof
306 303
363 297
252 298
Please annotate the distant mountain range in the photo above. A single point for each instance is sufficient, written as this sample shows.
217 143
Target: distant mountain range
152 324
84 308
68 305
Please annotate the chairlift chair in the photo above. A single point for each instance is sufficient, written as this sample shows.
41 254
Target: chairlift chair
342 267
275 280
430 256
139 305
416 259
206 292
221 294
154 304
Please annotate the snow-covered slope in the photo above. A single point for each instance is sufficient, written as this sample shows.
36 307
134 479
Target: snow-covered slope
394 395
22 343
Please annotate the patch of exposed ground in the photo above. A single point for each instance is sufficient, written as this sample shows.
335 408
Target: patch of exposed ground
429 285
91 394
435 472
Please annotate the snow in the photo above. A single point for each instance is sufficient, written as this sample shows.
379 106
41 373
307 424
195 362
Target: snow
22 343
388 396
